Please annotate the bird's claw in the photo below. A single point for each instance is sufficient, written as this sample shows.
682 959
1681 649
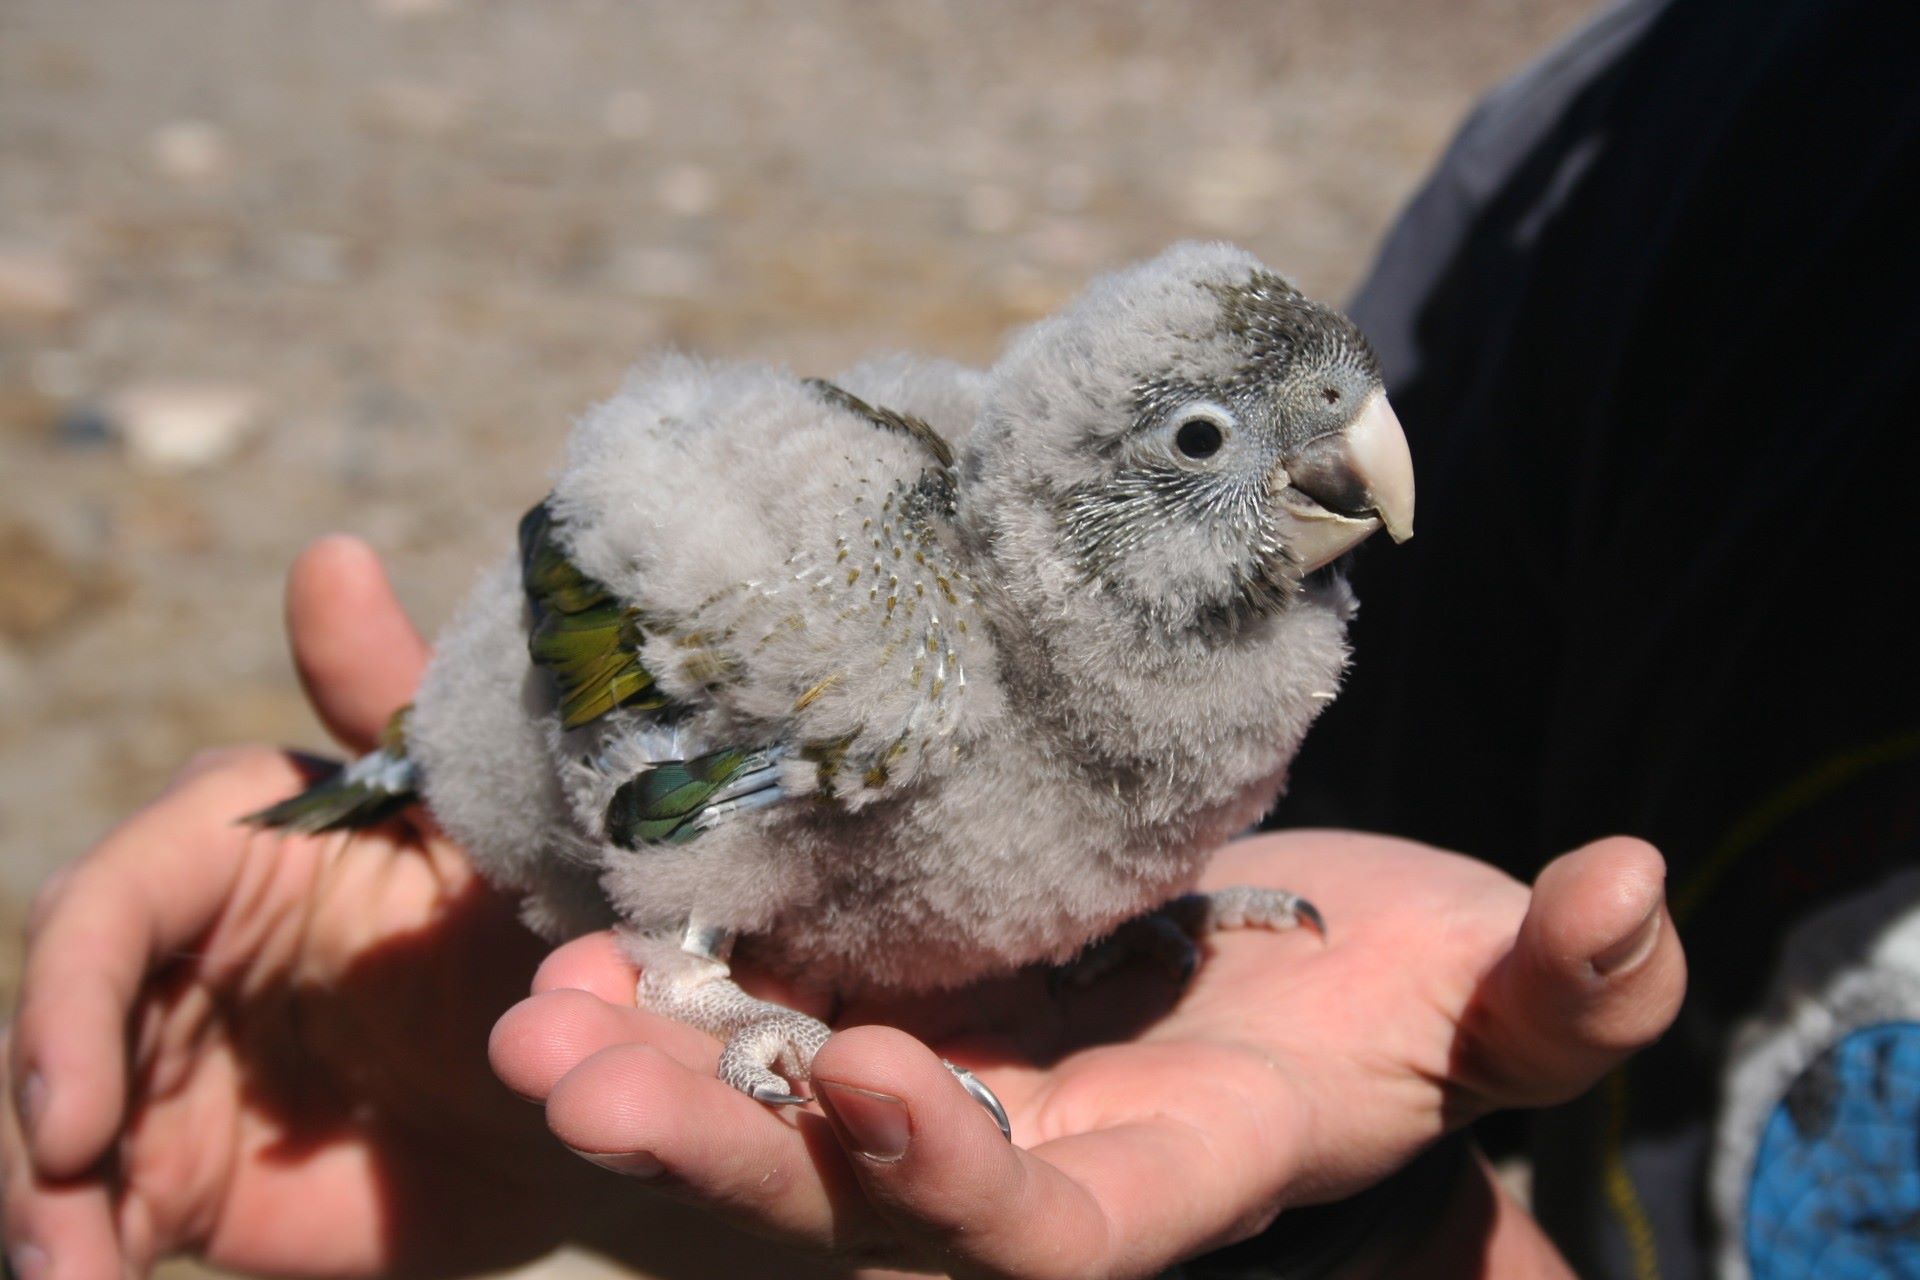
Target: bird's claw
1309 915
785 1040
984 1096
1245 907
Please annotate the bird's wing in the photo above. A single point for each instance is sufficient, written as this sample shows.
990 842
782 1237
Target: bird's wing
833 677
579 632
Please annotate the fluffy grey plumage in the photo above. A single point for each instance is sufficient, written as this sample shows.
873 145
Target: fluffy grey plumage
938 721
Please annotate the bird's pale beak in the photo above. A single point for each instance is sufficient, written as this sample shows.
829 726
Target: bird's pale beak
1355 481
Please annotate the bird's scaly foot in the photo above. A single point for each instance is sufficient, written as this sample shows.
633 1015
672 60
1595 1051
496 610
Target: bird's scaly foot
779 1038
691 983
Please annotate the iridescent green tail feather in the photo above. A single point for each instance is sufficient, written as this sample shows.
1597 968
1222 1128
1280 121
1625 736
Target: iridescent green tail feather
364 791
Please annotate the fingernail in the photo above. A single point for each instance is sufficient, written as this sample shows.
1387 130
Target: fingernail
1631 951
30 1099
631 1164
27 1262
876 1123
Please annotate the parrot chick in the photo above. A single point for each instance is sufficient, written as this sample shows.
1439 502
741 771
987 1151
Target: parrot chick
920 676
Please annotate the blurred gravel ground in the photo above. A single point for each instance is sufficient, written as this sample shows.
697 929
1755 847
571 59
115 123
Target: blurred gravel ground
270 268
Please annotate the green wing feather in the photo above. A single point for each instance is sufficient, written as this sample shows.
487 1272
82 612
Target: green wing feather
590 643
659 805
581 634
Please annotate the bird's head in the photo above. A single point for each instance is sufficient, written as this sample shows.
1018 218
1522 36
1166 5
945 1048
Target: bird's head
1192 437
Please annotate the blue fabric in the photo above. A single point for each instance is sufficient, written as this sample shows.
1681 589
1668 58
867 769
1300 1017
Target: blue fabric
1836 1179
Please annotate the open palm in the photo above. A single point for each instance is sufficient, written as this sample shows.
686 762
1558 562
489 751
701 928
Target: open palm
1149 1124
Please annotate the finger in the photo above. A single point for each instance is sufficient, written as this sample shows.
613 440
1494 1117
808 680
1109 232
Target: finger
594 963
153 886
61 1231
1595 974
1124 1199
538 1041
358 655
52 1232
633 1109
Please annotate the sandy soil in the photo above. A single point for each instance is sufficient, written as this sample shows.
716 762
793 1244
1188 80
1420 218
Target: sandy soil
371 257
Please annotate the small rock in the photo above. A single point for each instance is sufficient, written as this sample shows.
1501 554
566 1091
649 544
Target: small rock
409 8
423 110
183 426
311 257
1233 190
43 589
192 151
990 208
627 115
25 414
13 673
56 374
37 288
163 518
1067 188
1027 293
660 272
1145 79
83 426
1072 243
687 191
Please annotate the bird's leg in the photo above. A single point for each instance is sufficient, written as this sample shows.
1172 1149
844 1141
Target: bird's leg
692 984
1168 936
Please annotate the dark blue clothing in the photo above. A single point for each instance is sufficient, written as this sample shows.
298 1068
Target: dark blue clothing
1653 328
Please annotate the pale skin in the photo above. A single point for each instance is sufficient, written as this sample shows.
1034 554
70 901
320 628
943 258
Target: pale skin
273 1053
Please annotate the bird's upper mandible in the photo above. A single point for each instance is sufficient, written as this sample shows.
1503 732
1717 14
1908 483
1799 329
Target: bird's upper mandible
1356 480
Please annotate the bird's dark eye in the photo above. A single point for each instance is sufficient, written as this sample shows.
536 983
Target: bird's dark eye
1198 438
1332 396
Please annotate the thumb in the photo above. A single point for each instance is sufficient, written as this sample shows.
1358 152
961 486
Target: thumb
1595 974
934 1165
358 655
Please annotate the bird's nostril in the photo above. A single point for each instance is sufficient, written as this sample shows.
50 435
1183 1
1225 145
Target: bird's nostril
1330 394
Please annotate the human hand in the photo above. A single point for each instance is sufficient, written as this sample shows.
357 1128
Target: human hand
1289 1072
299 1099
269 1049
